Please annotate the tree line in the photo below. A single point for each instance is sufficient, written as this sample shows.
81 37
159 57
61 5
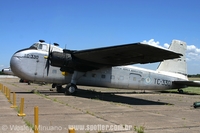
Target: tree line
194 75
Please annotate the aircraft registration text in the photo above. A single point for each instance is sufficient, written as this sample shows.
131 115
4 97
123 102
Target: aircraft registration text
31 56
163 82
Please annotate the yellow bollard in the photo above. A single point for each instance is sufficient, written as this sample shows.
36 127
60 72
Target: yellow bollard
4 90
0 87
7 91
72 130
14 101
8 95
36 120
21 113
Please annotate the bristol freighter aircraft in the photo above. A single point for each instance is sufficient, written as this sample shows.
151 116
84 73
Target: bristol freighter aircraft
104 67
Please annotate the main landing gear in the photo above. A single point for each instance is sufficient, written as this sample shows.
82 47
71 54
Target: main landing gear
71 88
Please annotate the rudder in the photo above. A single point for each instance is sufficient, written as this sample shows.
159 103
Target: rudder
178 65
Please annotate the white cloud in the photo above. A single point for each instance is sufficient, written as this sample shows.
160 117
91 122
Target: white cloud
192 53
166 45
193 49
151 42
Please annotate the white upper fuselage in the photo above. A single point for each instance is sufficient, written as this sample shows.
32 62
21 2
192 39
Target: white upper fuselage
30 64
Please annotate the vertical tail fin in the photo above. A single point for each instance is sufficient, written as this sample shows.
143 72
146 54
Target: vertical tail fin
178 65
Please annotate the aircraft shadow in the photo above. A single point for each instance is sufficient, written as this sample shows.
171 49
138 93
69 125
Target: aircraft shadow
184 93
112 97
104 96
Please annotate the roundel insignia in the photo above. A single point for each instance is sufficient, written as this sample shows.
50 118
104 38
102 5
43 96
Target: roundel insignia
148 80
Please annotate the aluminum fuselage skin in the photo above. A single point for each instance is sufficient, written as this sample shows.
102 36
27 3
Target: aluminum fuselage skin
30 64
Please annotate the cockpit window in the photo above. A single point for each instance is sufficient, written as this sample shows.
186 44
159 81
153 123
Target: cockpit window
42 47
39 46
34 46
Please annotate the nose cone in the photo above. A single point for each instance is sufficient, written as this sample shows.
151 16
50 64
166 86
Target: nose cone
23 64
15 64
18 64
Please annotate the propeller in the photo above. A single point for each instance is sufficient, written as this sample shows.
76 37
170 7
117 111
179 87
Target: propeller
48 59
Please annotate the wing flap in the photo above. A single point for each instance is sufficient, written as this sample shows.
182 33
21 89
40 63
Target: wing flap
126 54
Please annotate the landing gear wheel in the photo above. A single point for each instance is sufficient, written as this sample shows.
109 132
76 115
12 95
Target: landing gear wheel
180 91
70 89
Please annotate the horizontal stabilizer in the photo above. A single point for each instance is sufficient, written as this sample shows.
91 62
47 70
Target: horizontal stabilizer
187 83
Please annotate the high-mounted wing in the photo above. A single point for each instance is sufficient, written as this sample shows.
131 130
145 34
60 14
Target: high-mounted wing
85 60
126 54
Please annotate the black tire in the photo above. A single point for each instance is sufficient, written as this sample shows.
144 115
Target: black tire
68 92
180 91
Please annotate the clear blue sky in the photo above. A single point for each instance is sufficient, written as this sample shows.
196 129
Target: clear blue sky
83 24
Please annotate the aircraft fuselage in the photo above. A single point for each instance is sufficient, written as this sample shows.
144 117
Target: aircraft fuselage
30 64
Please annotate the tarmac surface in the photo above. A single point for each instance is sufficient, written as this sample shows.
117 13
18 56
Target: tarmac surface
95 110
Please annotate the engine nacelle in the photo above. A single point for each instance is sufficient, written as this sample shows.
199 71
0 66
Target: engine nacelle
59 59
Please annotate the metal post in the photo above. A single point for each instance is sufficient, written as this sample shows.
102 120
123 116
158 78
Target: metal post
14 101
21 113
72 130
36 120
9 95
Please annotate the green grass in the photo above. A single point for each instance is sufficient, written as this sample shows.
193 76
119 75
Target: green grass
139 129
29 124
188 90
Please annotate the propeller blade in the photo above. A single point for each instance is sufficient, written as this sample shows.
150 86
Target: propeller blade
48 60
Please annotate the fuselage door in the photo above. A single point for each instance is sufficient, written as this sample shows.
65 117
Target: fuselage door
41 62
134 80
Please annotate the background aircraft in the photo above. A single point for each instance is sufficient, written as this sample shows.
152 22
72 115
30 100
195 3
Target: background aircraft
104 66
7 71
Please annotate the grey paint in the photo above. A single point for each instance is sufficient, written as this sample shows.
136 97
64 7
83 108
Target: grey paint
30 64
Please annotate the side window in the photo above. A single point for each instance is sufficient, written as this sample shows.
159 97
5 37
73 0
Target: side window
42 47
